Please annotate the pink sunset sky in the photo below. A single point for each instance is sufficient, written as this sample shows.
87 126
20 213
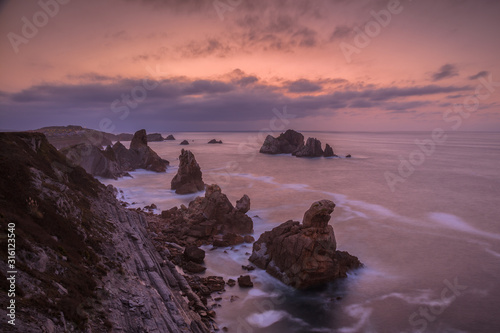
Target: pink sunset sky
171 65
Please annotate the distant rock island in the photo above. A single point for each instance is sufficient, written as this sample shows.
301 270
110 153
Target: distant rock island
292 142
304 255
184 143
116 161
214 141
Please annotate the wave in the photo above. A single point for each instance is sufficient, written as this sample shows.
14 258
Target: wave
454 222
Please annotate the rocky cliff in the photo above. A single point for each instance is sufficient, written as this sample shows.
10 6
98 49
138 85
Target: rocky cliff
304 255
116 161
84 263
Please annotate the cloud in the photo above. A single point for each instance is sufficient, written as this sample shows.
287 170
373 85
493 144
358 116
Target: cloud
234 98
446 71
341 32
479 75
303 86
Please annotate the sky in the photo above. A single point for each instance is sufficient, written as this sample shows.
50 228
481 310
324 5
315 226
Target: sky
230 65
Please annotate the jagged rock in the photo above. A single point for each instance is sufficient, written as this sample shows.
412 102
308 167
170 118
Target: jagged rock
207 217
231 282
328 151
214 141
141 156
304 255
127 283
195 254
94 160
154 137
285 143
245 281
184 142
312 148
243 205
189 177
170 137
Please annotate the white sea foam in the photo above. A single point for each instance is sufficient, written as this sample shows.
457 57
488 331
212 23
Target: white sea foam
456 223
266 319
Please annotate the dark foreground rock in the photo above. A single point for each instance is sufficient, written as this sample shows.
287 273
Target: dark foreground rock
189 177
84 262
210 219
116 161
244 281
304 255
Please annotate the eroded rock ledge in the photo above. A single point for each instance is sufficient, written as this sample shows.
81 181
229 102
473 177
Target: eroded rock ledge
304 255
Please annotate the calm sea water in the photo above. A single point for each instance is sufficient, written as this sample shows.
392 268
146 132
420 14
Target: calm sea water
431 244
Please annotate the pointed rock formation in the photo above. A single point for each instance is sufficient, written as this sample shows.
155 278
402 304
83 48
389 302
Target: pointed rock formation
170 137
286 143
304 255
311 149
189 177
328 151
207 218
184 142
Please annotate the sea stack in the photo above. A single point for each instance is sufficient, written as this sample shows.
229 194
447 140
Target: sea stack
189 176
304 255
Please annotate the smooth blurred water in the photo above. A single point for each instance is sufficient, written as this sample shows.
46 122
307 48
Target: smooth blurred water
438 228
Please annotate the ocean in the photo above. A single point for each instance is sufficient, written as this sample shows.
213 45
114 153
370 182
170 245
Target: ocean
420 210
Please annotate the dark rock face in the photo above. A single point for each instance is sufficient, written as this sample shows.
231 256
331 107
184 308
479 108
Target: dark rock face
328 151
116 161
194 254
153 137
311 149
184 142
189 177
304 255
170 137
348 156
244 281
215 141
76 233
286 143
205 218
243 205
140 156
94 160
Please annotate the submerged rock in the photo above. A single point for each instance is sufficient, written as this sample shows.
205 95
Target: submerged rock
245 281
304 255
312 148
189 176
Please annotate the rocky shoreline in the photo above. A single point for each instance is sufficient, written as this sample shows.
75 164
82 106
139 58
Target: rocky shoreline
140 268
